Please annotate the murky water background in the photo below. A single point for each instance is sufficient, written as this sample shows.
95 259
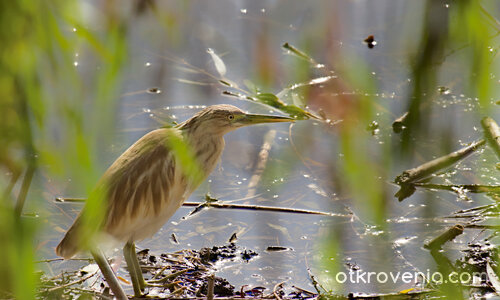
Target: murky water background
304 159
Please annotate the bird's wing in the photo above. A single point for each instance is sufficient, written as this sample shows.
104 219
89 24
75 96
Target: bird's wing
139 182
136 183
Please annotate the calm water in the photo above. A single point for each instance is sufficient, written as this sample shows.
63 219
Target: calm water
304 161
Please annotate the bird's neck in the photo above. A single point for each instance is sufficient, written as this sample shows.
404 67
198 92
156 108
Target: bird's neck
207 149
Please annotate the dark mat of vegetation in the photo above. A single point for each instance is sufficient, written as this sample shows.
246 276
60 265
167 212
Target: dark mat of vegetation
181 275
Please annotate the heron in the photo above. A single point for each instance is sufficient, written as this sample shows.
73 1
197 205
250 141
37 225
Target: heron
146 185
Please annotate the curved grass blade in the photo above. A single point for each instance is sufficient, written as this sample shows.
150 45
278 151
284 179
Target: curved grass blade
315 81
219 64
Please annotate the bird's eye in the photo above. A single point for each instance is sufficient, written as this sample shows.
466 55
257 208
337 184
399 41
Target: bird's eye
230 117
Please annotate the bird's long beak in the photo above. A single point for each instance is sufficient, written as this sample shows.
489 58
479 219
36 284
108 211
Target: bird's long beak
250 119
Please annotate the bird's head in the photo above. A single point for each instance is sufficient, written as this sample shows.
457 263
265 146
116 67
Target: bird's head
223 118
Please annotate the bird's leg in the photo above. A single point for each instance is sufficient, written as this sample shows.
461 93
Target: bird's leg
134 268
109 275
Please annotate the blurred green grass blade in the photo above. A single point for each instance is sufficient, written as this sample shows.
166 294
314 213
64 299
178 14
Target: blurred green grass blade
314 81
185 155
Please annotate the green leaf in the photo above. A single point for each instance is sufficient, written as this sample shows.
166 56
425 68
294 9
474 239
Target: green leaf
289 109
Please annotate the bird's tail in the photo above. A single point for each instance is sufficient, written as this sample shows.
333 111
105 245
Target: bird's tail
70 244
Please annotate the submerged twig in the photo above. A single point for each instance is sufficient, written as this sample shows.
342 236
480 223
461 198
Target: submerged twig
439 163
473 209
492 133
472 188
261 163
446 236
399 124
413 294
303 290
317 286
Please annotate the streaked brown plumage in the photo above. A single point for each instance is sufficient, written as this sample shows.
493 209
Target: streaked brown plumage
144 187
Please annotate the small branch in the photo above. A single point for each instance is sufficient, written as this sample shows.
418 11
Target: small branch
492 133
210 287
446 236
62 259
72 283
264 208
219 204
439 163
74 200
169 276
276 290
479 226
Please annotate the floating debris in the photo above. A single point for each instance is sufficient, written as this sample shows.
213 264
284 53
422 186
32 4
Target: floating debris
400 123
370 41
278 249
154 90
444 90
374 127
233 238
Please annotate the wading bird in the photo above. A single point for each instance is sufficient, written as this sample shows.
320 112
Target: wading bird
144 187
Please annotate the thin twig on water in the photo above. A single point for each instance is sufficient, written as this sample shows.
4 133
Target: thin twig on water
219 204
